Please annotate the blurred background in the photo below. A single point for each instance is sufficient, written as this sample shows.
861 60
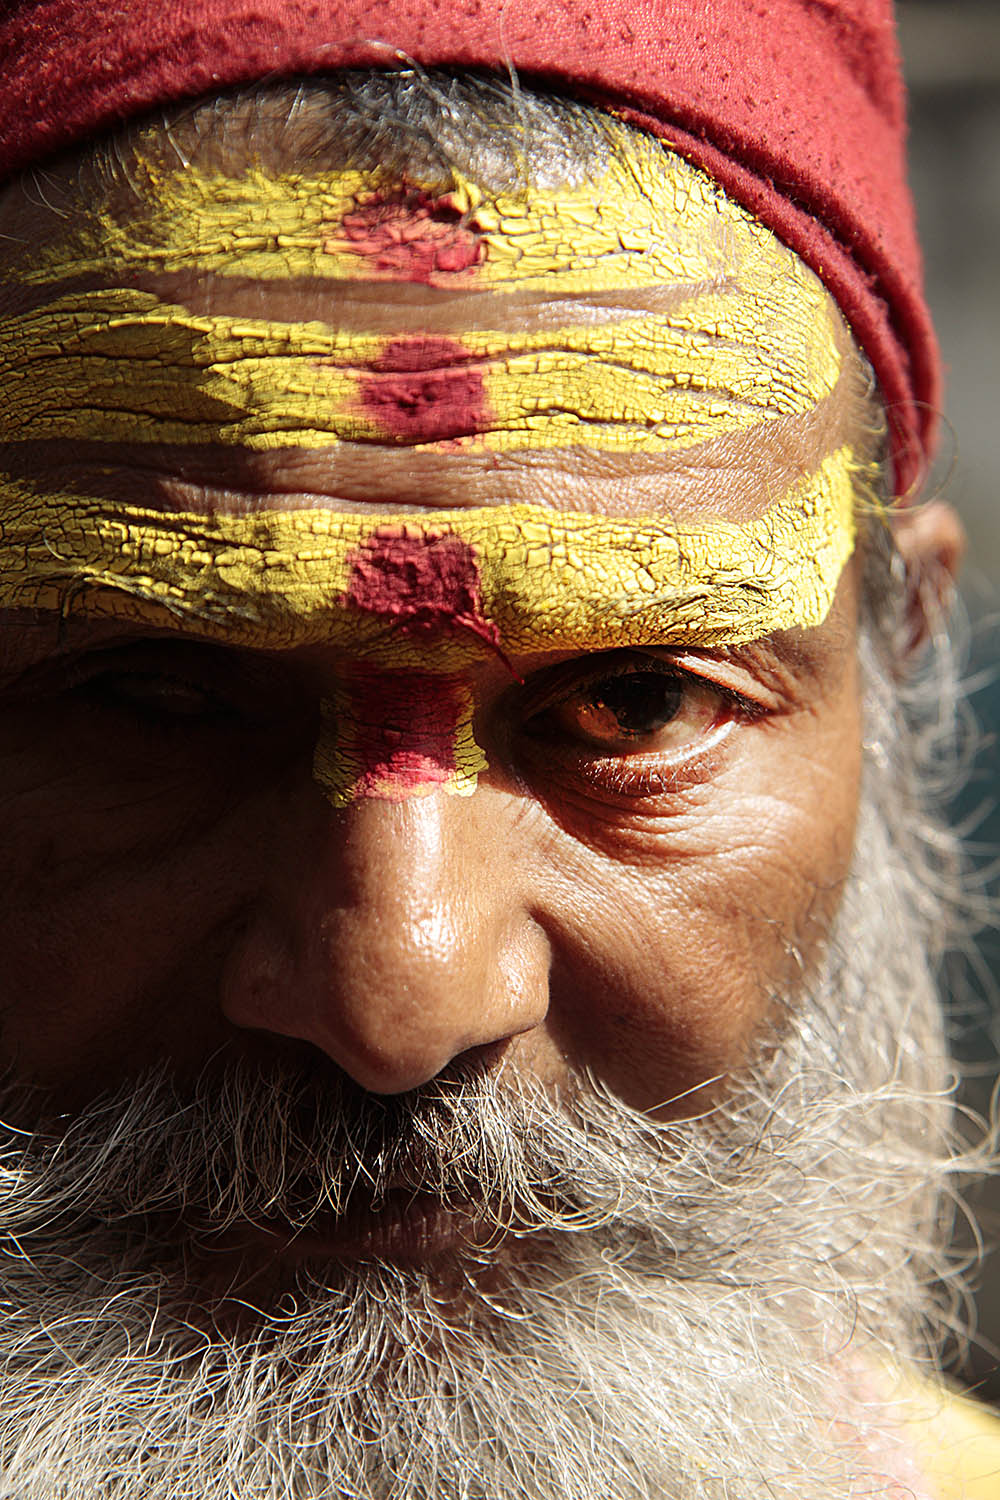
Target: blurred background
951 55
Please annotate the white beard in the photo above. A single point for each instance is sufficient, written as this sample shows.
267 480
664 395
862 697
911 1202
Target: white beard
698 1313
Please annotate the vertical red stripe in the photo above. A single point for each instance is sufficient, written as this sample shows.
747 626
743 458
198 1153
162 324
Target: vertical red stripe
400 729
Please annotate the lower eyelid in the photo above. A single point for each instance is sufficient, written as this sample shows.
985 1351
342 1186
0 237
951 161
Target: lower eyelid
631 776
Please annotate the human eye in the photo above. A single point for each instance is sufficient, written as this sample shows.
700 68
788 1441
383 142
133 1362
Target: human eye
153 695
182 719
630 721
170 686
150 683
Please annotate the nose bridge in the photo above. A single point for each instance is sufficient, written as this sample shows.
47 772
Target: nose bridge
405 875
392 733
403 946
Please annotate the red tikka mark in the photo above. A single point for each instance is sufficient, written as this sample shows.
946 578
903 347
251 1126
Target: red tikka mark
424 583
424 391
402 730
413 237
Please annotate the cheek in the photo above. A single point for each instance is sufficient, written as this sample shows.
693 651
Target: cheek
120 889
108 978
670 958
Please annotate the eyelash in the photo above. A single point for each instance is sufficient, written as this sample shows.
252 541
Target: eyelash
628 774
238 699
131 683
570 678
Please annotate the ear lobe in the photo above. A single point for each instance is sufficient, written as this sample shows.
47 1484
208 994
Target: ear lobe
930 540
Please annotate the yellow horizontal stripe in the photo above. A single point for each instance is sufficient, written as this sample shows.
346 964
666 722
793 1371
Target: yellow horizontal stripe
617 232
550 580
121 366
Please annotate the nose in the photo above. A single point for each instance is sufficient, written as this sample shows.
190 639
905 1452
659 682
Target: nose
396 947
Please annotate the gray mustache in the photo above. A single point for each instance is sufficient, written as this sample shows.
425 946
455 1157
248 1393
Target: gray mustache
246 1145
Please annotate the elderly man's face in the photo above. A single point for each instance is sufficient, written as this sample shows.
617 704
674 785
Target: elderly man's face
428 672
659 839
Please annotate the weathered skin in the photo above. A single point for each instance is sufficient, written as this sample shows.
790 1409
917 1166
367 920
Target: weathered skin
716 354
624 891
528 579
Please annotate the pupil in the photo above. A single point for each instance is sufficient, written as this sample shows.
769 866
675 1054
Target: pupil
641 701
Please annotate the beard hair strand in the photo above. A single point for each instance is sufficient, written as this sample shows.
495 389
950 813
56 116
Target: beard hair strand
694 1310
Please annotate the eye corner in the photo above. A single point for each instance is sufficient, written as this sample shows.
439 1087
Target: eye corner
627 723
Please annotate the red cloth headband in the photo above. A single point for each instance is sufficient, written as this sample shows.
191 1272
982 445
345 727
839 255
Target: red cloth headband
794 106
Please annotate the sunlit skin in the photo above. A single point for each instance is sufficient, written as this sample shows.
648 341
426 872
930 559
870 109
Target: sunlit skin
653 855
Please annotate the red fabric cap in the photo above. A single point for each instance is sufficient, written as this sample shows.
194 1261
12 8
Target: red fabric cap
794 106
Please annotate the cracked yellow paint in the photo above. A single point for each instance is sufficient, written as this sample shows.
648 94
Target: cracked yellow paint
549 580
746 331
649 219
121 366
641 312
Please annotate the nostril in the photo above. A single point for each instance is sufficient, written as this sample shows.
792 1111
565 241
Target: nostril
397 950
482 1059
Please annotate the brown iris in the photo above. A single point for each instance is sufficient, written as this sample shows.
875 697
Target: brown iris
637 706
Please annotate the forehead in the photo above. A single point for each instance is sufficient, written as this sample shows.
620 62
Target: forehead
417 424
628 325
199 335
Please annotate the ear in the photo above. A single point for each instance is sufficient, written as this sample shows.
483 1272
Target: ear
930 540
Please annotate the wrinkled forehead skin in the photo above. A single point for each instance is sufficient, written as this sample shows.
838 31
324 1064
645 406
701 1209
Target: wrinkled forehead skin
607 414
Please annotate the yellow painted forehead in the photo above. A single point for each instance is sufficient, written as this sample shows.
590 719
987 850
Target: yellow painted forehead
94 353
124 366
646 219
747 333
438 589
